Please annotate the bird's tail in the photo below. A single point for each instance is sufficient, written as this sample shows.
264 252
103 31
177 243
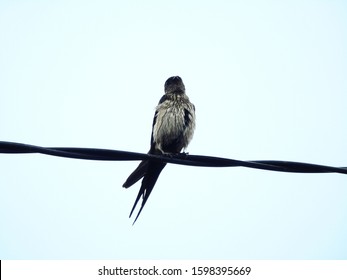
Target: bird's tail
137 174
151 175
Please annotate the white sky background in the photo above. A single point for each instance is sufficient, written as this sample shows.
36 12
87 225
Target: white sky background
268 79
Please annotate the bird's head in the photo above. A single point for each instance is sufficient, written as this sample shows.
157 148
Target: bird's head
174 85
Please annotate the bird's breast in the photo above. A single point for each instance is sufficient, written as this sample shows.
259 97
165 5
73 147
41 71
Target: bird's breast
172 131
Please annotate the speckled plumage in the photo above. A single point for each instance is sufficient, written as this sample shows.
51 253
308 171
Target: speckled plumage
175 123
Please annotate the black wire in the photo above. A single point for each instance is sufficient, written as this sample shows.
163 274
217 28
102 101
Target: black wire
183 159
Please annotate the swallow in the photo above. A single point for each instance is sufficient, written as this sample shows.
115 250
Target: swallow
172 130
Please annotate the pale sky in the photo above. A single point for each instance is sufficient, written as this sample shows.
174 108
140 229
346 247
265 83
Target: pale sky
268 80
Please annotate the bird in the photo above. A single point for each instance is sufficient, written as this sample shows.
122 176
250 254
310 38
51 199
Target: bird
172 130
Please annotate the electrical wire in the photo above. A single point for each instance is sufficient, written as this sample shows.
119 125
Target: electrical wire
183 159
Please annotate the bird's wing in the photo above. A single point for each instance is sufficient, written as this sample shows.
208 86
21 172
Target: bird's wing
140 171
